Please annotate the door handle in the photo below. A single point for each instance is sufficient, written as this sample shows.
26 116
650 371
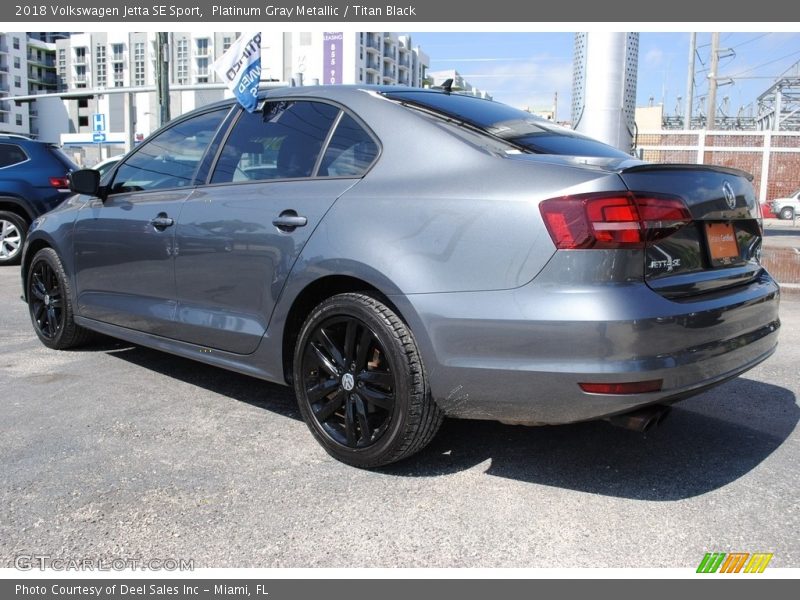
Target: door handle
289 220
162 221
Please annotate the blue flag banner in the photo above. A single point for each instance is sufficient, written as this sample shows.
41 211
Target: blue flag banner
240 69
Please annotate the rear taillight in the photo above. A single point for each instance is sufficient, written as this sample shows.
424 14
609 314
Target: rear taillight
59 182
621 220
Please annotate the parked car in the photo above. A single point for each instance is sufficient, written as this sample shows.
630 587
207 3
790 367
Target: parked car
33 179
104 166
786 208
401 255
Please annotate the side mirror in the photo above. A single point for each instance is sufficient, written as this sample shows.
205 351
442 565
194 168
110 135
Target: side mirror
85 181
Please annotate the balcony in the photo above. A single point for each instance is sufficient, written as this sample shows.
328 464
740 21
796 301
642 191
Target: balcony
45 61
46 79
373 65
373 43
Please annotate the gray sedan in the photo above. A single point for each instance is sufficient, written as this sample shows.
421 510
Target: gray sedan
402 255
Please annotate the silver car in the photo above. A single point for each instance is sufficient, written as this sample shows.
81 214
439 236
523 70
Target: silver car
401 255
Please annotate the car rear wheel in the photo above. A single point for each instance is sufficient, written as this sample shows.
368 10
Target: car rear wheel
360 383
13 230
49 303
787 213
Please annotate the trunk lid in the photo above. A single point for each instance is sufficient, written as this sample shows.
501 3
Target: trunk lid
721 247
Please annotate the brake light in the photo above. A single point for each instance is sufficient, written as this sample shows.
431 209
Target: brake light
59 182
634 387
620 220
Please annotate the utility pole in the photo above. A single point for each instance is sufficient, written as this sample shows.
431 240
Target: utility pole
713 77
162 77
555 108
687 111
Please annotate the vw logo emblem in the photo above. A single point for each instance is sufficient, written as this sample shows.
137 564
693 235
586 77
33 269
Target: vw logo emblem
348 382
730 197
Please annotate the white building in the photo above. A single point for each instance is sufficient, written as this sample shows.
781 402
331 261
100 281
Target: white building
460 85
373 58
27 66
126 60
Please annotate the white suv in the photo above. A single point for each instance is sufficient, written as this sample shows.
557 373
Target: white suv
786 208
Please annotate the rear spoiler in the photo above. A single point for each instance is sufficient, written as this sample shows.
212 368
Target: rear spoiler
642 168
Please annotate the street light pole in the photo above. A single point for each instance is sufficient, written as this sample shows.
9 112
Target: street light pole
162 77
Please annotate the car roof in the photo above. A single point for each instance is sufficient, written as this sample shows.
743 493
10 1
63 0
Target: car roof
332 92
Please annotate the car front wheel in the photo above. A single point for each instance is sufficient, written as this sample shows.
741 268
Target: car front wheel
50 304
13 229
360 382
787 213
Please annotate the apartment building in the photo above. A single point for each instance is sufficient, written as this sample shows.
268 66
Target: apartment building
27 66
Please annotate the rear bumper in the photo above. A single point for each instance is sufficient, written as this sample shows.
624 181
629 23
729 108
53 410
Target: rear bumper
519 355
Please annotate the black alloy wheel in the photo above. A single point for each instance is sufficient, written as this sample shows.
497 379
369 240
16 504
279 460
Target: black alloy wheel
46 300
360 384
49 302
349 383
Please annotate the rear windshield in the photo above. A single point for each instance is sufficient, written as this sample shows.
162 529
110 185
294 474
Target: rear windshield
517 126
63 158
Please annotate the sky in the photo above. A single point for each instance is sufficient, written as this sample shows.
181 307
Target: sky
526 69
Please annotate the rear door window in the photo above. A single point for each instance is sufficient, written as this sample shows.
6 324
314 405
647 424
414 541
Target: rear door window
283 141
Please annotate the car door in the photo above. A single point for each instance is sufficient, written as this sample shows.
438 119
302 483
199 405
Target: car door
124 243
239 236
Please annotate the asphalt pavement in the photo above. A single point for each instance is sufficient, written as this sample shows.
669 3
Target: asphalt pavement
116 451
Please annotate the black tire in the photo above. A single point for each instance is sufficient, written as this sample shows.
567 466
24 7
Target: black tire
384 412
50 303
13 231
787 213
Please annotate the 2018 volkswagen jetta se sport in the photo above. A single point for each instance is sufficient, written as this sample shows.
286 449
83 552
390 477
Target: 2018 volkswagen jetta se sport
402 255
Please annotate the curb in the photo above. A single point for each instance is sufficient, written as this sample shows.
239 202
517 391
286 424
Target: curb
790 291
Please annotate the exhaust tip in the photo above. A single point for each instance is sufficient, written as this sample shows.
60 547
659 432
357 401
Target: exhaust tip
642 419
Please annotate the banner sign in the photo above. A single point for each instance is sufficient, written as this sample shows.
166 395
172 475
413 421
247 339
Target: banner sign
240 69
332 56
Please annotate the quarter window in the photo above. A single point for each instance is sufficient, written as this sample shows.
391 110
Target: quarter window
350 152
171 158
11 154
282 141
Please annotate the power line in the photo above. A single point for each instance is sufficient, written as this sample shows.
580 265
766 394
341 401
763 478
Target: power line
758 37
766 63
